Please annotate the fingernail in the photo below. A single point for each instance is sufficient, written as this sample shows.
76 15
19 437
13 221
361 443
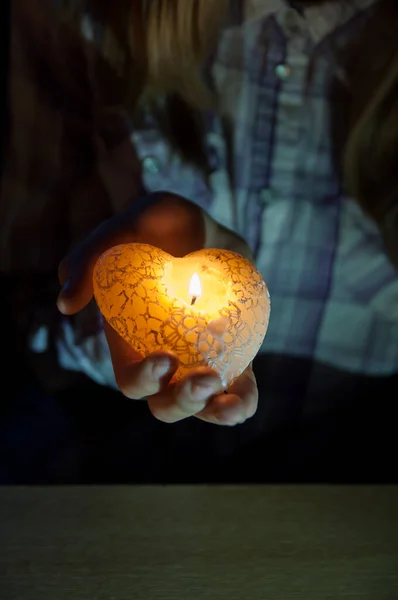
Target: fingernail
161 367
204 388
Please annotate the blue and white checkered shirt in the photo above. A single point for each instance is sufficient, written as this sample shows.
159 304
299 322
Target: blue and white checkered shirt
275 182
334 292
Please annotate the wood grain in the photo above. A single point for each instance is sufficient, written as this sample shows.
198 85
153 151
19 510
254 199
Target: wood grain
265 543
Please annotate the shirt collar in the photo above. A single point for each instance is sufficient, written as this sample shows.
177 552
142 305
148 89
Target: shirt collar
320 19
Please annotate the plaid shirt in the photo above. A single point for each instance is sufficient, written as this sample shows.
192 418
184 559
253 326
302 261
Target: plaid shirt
274 181
334 292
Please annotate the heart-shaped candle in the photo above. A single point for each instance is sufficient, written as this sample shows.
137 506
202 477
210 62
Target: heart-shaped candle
210 308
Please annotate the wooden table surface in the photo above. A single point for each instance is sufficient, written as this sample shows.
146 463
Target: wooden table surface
144 543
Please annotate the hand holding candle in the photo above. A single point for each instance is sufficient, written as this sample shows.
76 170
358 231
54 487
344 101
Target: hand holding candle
180 228
210 308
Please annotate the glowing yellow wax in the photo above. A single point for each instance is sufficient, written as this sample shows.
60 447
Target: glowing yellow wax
209 308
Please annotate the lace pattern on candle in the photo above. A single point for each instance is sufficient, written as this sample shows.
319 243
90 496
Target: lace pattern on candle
130 294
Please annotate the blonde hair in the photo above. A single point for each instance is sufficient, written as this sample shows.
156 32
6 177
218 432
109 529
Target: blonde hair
179 36
159 46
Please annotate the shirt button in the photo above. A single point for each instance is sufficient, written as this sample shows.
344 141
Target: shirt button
283 72
150 164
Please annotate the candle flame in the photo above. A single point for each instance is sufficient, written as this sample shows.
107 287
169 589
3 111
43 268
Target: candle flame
195 288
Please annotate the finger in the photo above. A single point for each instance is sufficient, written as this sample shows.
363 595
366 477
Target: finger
136 377
75 294
224 409
75 272
186 397
236 406
245 387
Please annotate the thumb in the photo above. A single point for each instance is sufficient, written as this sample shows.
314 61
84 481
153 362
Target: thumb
75 294
75 272
175 214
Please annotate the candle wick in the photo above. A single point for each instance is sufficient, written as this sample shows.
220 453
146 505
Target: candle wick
193 300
